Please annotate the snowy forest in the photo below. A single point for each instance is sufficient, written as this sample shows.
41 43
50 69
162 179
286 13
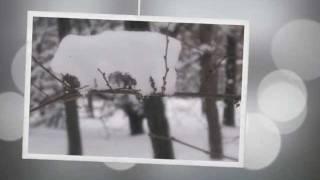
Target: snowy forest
135 89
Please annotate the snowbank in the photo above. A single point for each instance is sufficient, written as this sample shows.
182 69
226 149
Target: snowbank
141 54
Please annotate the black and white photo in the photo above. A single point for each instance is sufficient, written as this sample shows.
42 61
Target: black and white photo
135 89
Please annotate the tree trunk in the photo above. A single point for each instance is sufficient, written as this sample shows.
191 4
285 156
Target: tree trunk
158 125
229 115
71 109
209 85
154 110
135 120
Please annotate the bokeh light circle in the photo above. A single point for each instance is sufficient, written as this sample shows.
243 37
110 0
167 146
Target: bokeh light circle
296 47
263 141
119 166
293 125
18 68
11 119
282 96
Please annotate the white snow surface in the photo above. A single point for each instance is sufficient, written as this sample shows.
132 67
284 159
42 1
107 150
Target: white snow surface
141 54
186 120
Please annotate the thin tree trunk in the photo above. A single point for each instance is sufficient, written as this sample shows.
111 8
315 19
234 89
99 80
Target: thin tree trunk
154 110
72 118
209 85
229 115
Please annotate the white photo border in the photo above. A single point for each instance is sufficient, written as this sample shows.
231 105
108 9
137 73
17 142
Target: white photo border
243 105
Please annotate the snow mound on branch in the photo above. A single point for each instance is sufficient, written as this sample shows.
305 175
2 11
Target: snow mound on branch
141 54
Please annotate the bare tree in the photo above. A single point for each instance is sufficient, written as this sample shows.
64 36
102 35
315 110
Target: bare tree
72 118
209 85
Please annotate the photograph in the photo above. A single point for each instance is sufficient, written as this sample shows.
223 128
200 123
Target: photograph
135 89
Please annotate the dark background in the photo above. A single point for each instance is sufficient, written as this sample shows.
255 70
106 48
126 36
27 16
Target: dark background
299 155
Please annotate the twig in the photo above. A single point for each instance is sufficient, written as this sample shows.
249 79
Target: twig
65 97
83 87
40 90
165 58
187 144
50 73
208 95
153 85
105 78
119 91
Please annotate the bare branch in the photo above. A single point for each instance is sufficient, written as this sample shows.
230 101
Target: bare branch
82 87
177 94
50 73
40 90
207 95
105 78
186 144
50 100
165 58
153 85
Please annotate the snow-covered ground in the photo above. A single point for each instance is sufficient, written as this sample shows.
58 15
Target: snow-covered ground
187 123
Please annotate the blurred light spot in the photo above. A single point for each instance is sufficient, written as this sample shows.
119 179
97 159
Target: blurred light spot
296 47
282 96
119 166
293 125
263 142
11 116
18 68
